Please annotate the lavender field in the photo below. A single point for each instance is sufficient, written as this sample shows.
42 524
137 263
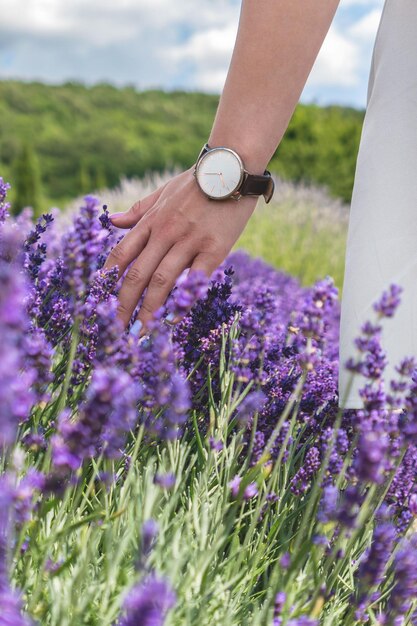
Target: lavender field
204 474
301 231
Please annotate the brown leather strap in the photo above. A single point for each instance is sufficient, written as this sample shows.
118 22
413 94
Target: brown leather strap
258 185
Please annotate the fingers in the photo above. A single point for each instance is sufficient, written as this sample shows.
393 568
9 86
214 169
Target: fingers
128 248
205 262
137 211
139 275
163 280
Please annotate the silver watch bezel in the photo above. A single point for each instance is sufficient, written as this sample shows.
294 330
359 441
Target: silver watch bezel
235 192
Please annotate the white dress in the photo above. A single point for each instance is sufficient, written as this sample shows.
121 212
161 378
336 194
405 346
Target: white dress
382 234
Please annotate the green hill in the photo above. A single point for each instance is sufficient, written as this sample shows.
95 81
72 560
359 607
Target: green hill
88 137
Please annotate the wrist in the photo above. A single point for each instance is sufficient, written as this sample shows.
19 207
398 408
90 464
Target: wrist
253 157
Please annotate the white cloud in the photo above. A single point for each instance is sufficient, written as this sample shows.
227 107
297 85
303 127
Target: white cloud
344 59
166 43
365 29
209 52
338 61
86 18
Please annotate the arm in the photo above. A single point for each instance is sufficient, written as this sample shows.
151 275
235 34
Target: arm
276 46
177 226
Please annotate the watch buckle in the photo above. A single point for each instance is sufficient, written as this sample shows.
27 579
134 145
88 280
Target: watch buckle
236 195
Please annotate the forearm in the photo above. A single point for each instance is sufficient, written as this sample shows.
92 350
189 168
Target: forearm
276 46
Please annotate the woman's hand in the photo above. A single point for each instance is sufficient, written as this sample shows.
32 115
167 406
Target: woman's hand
174 228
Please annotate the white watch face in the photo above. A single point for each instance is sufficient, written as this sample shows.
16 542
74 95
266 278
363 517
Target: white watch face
219 172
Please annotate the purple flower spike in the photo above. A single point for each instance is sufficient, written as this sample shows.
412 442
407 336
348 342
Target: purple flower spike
149 534
190 287
285 560
389 301
10 605
251 404
4 206
375 559
329 504
104 420
166 481
148 603
16 372
412 503
215 444
234 485
250 491
404 591
302 479
279 603
371 456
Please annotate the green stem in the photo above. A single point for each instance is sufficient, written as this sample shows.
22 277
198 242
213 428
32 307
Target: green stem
64 391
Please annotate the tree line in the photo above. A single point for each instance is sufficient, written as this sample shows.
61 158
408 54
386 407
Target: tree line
57 141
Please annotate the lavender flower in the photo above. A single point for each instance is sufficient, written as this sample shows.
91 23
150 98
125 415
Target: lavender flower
36 255
148 603
24 495
215 444
329 502
302 620
404 591
166 395
149 534
10 614
301 481
81 248
252 403
388 303
412 503
4 205
16 395
279 603
312 320
374 561
104 420
166 481
285 560
250 491
234 485
371 454
197 338
189 288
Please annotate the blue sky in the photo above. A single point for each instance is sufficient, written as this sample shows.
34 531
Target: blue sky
169 44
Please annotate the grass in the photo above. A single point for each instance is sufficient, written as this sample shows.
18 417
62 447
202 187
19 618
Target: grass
303 232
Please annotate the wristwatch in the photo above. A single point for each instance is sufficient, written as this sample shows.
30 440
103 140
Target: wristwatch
220 174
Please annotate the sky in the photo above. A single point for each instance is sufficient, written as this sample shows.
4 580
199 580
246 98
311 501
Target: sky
169 44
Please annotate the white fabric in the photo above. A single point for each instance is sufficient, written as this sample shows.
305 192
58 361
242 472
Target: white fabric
382 234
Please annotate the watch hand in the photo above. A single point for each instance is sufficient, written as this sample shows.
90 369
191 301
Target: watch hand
221 177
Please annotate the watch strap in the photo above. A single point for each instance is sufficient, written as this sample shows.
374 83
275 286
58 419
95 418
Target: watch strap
258 185
252 184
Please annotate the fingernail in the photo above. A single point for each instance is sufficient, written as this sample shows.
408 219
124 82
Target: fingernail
172 319
115 215
136 328
144 341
